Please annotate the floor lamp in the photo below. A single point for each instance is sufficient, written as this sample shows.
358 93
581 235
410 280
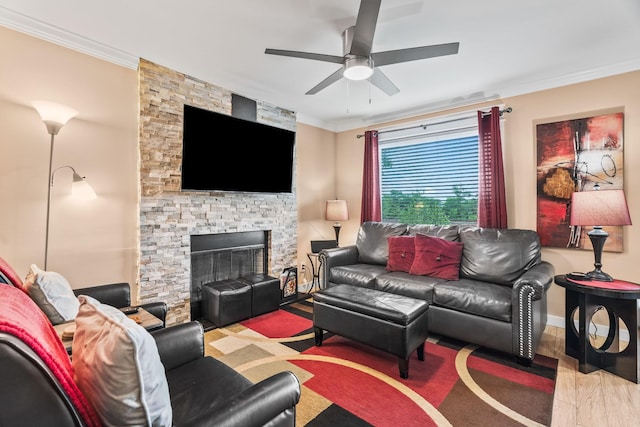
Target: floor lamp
55 116
597 208
336 210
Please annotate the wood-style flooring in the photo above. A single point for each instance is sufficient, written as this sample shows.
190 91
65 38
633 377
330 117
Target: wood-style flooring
597 399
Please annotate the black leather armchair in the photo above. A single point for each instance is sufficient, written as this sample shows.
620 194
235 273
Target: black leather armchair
203 390
206 392
118 295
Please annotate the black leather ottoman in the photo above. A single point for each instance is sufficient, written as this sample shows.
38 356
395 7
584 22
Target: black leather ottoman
392 323
226 301
265 293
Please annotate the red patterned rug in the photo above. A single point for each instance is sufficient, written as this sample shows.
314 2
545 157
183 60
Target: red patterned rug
345 383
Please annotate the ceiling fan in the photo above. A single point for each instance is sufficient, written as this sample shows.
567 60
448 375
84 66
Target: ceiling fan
358 62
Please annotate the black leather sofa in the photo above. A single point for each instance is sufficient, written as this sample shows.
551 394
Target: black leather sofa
203 391
499 301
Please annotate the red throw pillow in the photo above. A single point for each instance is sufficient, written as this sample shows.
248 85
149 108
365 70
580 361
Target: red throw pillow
436 257
401 253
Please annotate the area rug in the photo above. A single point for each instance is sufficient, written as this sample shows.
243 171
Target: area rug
345 383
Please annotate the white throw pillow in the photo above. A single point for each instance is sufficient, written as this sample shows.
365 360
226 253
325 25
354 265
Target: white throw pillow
118 368
53 294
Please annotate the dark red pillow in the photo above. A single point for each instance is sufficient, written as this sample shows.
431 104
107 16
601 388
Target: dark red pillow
401 253
436 257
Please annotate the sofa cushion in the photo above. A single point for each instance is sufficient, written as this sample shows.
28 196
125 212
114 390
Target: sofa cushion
52 293
372 241
401 253
409 285
436 257
362 275
447 232
474 297
498 256
118 367
193 387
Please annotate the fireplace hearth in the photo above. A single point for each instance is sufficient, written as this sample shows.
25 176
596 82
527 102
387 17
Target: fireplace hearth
222 256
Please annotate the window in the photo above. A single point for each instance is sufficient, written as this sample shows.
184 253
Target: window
429 172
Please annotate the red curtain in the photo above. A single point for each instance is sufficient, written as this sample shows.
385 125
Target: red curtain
492 205
370 209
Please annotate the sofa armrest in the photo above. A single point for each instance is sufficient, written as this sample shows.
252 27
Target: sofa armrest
114 294
158 309
335 257
539 277
118 295
255 406
180 344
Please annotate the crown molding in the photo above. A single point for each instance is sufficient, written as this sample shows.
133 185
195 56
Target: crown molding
39 29
493 93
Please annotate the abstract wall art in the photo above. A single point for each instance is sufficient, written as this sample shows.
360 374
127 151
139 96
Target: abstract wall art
574 155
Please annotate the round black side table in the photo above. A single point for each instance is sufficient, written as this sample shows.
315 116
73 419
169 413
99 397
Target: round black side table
619 298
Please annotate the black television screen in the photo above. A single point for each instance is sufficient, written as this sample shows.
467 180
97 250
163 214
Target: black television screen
226 153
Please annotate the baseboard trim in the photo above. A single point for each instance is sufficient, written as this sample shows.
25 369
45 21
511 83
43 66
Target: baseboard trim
599 330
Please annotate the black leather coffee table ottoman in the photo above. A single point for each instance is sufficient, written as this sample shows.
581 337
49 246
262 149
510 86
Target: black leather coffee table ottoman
226 301
265 293
393 323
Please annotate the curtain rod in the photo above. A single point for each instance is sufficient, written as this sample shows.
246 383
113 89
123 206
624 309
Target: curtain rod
484 114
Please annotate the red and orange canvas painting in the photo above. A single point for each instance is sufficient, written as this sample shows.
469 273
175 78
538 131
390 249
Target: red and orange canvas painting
575 155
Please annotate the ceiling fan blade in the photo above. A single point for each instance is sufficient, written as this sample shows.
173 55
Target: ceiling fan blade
337 75
306 55
414 53
365 28
379 79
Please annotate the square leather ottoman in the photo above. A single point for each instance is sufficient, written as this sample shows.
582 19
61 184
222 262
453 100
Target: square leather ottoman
265 293
226 301
393 323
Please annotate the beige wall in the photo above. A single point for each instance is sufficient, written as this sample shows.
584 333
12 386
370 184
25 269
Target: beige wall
315 183
519 147
90 242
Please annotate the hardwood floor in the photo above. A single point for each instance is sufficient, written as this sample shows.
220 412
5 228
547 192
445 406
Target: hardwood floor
588 400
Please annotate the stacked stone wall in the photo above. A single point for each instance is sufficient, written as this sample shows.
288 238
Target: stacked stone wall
168 217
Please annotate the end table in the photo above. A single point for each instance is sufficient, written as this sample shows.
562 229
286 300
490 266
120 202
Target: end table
619 298
315 269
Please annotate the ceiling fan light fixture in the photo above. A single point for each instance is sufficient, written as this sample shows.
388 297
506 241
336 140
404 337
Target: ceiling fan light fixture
358 68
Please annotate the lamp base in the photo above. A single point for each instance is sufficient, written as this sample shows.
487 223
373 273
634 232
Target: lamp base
337 227
599 276
598 236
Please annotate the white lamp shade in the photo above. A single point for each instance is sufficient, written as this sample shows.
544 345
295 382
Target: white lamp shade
336 210
54 115
53 112
599 208
81 188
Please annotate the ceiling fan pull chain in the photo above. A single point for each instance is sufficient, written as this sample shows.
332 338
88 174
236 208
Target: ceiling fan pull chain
348 97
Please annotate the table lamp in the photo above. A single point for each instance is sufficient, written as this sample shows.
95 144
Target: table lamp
336 210
598 208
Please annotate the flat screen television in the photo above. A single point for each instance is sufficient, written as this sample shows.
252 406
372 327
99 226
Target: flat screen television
226 153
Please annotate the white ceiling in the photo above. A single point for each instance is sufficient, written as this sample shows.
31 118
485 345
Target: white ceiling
507 48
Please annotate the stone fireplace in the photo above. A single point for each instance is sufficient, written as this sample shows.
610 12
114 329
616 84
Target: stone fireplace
169 218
